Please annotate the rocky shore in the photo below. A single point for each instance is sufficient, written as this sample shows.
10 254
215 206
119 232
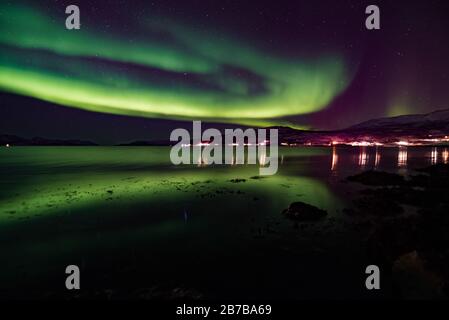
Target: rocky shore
406 223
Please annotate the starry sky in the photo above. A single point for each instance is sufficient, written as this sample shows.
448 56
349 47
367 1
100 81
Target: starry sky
137 69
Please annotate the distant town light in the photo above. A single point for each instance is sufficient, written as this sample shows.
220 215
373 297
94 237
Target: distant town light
361 144
402 143
202 144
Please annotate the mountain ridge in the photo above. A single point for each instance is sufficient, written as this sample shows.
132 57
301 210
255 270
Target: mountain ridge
384 130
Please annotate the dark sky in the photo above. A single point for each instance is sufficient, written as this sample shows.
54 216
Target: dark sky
138 69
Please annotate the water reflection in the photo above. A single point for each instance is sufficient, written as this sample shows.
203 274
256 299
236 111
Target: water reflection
377 158
262 158
434 156
363 157
402 157
203 160
334 159
445 156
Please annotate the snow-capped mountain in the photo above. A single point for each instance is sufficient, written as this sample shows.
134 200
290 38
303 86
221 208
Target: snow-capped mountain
437 118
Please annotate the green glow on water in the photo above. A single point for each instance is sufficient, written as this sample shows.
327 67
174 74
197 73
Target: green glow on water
39 182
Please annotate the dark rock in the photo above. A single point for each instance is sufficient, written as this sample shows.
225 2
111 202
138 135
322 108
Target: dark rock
403 195
437 176
376 206
437 169
377 178
300 211
257 177
237 180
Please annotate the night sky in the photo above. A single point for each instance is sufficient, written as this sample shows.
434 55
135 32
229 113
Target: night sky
137 69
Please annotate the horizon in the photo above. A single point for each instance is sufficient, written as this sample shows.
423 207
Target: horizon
186 124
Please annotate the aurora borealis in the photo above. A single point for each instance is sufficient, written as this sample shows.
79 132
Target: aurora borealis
190 75
308 65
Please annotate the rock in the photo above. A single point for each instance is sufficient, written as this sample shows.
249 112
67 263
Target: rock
377 178
257 177
437 170
414 280
438 176
377 206
237 180
300 211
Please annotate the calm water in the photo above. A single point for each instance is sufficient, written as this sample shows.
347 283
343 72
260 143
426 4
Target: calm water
138 226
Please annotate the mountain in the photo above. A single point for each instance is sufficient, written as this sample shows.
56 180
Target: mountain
419 129
38 141
437 119
422 129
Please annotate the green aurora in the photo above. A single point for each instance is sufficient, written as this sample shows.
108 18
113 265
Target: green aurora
189 73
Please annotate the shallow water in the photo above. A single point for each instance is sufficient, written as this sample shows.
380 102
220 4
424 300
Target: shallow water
138 226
